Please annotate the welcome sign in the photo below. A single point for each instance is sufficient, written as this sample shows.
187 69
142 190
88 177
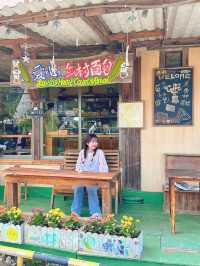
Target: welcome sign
71 73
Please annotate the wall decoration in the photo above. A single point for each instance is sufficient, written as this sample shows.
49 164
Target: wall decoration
173 96
131 115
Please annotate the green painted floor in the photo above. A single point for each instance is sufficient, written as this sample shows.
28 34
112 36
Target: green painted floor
160 246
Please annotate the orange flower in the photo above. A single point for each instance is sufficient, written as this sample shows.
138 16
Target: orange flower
2 209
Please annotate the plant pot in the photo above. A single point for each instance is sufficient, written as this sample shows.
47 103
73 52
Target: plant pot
111 246
12 233
51 237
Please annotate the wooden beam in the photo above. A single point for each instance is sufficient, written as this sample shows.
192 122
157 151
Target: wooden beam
18 41
61 13
188 40
136 35
113 47
158 44
87 11
146 4
30 33
99 27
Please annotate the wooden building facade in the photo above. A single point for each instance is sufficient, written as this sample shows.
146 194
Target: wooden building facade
152 30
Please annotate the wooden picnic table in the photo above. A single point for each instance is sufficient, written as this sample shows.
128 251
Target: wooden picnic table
179 176
16 175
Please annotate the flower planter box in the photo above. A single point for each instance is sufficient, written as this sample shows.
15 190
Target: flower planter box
110 246
51 237
12 233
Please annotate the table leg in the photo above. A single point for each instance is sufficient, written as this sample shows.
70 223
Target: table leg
12 195
106 200
116 196
173 205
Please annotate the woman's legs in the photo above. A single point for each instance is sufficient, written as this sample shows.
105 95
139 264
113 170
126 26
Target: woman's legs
93 200
78 200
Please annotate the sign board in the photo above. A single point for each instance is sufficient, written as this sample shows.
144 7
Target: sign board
173 96
131 115
71 73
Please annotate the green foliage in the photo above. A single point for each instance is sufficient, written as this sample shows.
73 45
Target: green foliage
72 223
38 218
25 125
4 218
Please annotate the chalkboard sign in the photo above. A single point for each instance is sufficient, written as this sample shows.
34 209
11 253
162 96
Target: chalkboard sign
173 96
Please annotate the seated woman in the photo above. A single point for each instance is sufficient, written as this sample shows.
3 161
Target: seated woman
90 159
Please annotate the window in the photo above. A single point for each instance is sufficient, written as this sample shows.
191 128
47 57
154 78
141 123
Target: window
72 113
15 126
60 120
173 59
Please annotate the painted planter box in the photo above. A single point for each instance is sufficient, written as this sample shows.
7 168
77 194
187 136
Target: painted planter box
51 237
111 246
12 233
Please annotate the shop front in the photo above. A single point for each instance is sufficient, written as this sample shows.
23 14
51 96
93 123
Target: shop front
75 97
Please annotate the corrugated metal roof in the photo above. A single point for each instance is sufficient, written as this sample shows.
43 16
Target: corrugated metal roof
6 33
182 21
67 32
136 20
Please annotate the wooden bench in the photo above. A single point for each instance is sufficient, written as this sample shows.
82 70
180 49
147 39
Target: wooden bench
186 201
70 158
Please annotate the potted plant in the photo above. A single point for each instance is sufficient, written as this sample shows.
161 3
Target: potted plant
11 225
52 230
25 125
108 237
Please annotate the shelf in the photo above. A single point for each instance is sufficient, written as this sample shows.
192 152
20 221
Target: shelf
100 96
91 116
104 116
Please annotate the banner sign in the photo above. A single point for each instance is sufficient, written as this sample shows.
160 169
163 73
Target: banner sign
72 73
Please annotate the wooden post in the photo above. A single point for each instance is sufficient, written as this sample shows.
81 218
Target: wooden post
20 261
36 138
130 137
172 198
35 97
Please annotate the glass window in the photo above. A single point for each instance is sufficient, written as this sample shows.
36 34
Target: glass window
69 116
15 126
99 114
60 120
173 59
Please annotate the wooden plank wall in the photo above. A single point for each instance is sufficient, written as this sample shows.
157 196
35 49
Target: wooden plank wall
130 137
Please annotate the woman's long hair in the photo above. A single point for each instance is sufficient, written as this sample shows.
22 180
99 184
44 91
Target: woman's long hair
87 140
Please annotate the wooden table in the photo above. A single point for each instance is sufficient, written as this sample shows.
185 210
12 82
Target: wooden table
17 175
179 176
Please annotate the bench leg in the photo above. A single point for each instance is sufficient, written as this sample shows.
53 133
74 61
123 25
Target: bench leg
5 194
19 194
25 191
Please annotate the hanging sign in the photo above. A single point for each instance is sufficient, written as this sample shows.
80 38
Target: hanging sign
75 73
